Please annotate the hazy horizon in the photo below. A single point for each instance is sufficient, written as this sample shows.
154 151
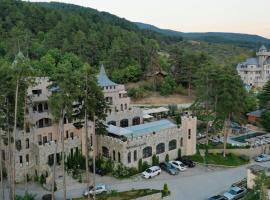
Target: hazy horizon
234 16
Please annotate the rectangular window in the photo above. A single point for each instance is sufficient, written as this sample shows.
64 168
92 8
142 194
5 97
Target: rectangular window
27 158
50 136
27 143
3 155
72 135
39 139
45 139
21 159
189 134
66 134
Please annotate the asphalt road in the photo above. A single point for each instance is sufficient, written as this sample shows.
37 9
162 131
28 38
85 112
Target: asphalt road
195 184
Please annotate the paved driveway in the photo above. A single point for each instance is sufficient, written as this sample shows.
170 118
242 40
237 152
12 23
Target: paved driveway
195 184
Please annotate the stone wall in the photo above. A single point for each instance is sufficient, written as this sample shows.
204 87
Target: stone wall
251 152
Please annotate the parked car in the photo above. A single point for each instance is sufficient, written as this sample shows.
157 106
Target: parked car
187 162
178 165
47 197
151 172
100 189
217 197
235 193
168 167
99 171
262 158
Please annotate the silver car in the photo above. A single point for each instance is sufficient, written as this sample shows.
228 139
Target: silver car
262 158
235 193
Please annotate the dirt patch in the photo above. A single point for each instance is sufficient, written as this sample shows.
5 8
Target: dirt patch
156 99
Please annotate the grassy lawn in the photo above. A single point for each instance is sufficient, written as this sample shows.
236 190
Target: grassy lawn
127 195
218 159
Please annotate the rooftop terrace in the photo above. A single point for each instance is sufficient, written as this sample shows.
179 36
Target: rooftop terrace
142 129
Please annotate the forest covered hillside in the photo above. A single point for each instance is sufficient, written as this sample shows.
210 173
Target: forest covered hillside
239 39
43 31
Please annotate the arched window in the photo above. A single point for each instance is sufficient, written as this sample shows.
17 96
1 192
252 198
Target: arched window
46 122
119 157
113 155
181 142
124 123
105 152
122 107
172 145
160 148
129 157
112 123
125 106
147 152
135 155
27 143
136 121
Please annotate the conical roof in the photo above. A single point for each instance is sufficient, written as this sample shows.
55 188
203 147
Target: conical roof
103 79
263 48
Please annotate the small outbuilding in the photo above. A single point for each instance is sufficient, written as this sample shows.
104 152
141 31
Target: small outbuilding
255 116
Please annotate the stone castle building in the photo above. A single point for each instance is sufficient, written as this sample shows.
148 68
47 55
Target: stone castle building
129 137
256 71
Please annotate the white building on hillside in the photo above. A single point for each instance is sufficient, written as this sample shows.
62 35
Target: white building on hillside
256 71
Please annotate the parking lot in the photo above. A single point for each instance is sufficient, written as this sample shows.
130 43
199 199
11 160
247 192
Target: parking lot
197 183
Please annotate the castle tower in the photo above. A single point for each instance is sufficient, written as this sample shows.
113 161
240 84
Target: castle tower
189 126
263 54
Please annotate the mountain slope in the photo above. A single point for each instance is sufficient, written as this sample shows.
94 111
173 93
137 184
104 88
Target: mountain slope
245 40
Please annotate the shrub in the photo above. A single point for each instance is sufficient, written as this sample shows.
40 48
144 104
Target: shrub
124 172
140 165
168 86
42 179
172 109
244 158
137 93
27 196
155 160
180 90
145 165
167 158
179 153
165 191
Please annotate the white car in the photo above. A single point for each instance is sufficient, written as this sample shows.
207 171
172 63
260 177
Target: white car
178 165
100 189
151 172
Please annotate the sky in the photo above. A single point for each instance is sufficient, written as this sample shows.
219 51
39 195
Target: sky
238 16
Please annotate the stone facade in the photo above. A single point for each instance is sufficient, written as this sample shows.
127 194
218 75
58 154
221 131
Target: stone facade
129 150
256 71
37 144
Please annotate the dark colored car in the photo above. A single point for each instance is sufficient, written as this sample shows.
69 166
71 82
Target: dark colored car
47 197
99 171
187 162
166 166
217 197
